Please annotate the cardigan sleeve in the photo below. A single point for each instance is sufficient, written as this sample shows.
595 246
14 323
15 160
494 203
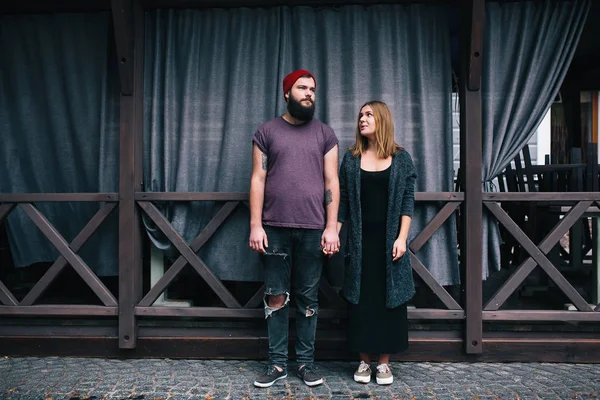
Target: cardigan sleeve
343 208
408 198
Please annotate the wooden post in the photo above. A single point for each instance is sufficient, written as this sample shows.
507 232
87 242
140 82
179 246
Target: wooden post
471 164
129 34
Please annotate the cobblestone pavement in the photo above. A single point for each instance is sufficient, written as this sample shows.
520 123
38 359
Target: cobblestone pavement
95 378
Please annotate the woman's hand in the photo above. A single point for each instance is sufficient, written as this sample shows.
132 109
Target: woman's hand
399 249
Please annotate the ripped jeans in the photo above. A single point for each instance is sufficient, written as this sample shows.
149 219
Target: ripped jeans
300 248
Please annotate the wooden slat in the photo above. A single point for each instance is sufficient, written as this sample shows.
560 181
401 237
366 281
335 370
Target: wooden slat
55 269
58 310
56 197
433 284
513 282
539 257
128 226
257 298
244 196
123 25
6 296
259 313
531 316
5 209
191 196
558 197
471 127
206 233
435 314
228 299
433 226
439 196
63 248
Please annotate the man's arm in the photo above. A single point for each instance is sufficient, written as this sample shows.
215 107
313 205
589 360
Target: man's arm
330 240
258 237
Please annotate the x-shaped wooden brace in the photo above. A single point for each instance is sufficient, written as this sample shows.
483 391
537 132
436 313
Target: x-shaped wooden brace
6 296
188 254
418 266
67 255
537 256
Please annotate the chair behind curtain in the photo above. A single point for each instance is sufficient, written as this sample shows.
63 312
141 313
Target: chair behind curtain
528 48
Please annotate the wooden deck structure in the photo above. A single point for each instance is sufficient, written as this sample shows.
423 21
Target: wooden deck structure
128 325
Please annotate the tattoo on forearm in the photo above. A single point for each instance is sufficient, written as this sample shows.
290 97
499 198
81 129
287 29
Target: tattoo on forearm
328 197
264 161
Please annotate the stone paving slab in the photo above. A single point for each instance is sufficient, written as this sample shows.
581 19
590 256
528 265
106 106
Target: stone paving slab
153 379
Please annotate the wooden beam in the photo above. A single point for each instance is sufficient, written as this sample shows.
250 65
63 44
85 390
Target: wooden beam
75 260
244 196
545 315
75 310
432 283
130 164
174 270
539 256
123 25
52 273
471 163
56 197
209 343
184 249
513 282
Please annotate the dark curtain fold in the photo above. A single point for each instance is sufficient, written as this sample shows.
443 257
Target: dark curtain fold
59 126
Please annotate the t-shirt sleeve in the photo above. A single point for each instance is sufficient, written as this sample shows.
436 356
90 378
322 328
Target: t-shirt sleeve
330 139
260 138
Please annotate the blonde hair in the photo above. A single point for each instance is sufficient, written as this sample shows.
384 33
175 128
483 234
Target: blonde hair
384 132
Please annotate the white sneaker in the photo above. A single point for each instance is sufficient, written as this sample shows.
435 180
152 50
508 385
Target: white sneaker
363 373
384 375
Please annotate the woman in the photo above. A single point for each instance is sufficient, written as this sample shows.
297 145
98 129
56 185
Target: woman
377 184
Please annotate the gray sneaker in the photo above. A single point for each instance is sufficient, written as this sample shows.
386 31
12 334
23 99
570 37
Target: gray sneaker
363 373
269 377
309 375
384 375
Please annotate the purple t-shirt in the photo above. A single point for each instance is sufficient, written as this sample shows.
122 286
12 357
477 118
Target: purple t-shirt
295 185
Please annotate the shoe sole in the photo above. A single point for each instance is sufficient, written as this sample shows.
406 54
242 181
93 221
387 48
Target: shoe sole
362 379
266 385
385 381
314 383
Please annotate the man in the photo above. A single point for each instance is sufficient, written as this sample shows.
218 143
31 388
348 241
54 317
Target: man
294 199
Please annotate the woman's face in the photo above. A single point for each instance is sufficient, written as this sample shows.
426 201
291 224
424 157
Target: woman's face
366 122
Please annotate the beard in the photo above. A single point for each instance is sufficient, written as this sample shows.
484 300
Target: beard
299 111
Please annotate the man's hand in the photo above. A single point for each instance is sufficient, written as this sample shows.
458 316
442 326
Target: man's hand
330 241
258 239
399 249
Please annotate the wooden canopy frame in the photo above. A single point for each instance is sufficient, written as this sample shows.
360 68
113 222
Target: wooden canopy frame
127 337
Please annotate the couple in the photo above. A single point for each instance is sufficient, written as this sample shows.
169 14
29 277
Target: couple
297 208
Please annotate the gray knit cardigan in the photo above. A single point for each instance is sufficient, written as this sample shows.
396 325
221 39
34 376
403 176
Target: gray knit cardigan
401 200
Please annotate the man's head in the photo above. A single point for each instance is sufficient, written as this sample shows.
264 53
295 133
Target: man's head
299 92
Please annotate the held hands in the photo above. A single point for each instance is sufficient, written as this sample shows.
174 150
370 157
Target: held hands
258 239
330 241
399 249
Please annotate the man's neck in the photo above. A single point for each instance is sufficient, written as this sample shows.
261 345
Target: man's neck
294 121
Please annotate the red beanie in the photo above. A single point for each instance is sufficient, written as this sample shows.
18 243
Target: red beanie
291 78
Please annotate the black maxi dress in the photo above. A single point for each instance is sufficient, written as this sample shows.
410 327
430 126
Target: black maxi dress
373 328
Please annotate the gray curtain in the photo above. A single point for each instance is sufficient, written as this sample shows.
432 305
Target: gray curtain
213 76
527 51
59 125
